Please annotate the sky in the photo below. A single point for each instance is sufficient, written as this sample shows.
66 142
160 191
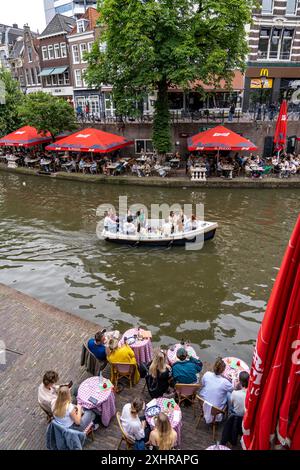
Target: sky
22 12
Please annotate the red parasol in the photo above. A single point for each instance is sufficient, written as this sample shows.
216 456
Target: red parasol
25 137
272 402
90 140
219 138
281 128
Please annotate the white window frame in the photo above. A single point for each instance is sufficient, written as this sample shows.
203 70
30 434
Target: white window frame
81 26
78 78
51 52
45 53
267 12
54 80
63 50
75 51
83 49
90 46
57 51
145 145
295 9
48 80
83 79
38 76
67 78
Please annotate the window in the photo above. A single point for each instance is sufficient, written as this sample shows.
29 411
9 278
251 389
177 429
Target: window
45 53
32 76
66 8
54 80
81 26
286 44
94 104
29 50
78 78
76 57
90 46
291 7
63 49
48 81
267 7
109 105
57 51
275 44
28 77
83 50
263 45
83 78
66 78
145 145
38 80
51 52
60 79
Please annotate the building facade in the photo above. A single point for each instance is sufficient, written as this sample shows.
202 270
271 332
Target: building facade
68 8
274 59
9 36
55 57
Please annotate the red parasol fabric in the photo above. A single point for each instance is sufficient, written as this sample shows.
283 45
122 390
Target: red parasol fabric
90 140
219 138
25 137
272 402
281 128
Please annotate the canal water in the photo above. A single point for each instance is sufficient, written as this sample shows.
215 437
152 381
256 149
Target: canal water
215 298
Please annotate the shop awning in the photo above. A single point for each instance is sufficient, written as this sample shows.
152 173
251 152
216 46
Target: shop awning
90 140
46 72
25 137
219 138
59 70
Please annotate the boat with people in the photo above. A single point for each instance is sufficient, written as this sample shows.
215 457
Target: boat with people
157 232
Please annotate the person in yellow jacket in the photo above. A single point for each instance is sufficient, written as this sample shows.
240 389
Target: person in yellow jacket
122 354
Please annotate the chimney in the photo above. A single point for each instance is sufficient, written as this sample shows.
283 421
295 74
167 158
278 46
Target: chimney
15 26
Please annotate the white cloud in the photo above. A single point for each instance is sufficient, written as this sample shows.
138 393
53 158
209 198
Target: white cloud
22 12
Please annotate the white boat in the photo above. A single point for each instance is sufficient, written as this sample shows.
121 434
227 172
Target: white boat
155 237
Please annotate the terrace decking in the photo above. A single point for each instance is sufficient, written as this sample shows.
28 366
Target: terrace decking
39 337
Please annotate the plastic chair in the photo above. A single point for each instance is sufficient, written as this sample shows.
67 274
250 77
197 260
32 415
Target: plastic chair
215 411
120 370
187 392
128 441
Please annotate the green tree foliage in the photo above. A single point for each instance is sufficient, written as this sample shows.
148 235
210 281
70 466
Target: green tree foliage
48 113
11 98
153 44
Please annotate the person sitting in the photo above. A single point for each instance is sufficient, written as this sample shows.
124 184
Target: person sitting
97 346
129 227
159 375
167 228
163 437
185 370
135 427
122 354
47 391
216 387
238 397
71 416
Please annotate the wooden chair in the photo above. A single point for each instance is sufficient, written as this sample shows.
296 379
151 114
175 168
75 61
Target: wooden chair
128 441
120 370
215 411
90 362
89 431
187 392
49 416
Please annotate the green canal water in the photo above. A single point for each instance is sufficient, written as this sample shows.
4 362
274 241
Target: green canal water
215 297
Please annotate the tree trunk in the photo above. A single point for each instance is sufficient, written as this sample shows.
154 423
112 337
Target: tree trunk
162 121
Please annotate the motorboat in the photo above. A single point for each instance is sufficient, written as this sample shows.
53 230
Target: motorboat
153 235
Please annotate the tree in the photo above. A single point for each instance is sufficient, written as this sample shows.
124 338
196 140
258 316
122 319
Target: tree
11 98
150 45
48 113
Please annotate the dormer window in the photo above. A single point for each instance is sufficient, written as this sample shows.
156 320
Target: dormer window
82 25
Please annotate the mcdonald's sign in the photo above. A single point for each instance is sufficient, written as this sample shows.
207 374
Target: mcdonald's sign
264 72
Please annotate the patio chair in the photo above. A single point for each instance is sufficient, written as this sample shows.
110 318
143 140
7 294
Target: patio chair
128 441
91 363
215 411
120 370
187 392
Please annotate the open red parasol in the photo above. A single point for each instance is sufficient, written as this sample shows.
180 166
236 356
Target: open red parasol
219 138
25 137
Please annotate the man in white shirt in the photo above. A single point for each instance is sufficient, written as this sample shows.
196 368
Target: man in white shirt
47 391
238 397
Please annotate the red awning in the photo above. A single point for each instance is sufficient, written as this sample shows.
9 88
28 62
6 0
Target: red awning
281 128
272 401
90 140
25 137
219 138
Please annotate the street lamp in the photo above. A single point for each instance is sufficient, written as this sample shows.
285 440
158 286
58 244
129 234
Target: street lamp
263 83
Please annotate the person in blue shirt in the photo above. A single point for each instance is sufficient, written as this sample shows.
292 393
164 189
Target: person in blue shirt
97 347
185 370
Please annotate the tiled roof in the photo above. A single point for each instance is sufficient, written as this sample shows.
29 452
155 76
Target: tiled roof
58 24
92 15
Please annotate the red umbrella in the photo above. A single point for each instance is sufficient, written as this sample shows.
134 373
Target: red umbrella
281 128
25 137
219 138
90 140
272 402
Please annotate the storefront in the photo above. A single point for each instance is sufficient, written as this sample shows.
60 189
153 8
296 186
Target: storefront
89 99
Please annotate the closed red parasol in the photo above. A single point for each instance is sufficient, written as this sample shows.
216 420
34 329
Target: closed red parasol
281 128
25 137
90 140
273 397
219 138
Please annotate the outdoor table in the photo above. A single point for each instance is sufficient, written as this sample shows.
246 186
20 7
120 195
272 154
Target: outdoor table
29 161
198 173
12 161
256 169
142 349
172 352
228 168
105 397
174 414
233 368
45 163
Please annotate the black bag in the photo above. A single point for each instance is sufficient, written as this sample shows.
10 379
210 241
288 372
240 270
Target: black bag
143 370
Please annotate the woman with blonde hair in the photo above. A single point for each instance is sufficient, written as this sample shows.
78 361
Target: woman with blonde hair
122 354
68 415
159 375
163 437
